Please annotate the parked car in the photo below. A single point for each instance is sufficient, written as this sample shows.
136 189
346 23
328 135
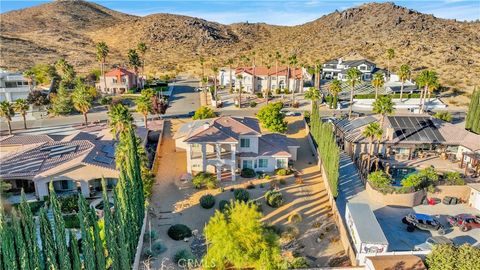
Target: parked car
431 241
465 222
423 222
198 89
290 113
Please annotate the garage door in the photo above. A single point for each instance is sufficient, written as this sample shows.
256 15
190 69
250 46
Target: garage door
475 199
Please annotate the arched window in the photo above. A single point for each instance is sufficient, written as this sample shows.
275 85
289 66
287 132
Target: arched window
281 85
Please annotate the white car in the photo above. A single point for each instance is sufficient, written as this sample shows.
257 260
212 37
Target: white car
431 241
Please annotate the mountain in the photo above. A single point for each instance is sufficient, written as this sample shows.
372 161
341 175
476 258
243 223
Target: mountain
70 29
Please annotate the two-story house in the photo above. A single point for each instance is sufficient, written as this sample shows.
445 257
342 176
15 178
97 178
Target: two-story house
337 69
118 81
13 86
265 78
227 144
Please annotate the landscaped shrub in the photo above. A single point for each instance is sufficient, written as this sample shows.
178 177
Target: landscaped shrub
290 234
71 221
253 104
453 178
247 173
207 201
278 91
282 182
259 95
158 247
151 235
184 256
205 179
241 195
298 263
223 205
281 172
295 217
69 204
422 179
179 232
274 198
379 180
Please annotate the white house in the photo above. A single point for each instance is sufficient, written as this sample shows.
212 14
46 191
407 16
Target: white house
13 86
264 78
226 144
337 69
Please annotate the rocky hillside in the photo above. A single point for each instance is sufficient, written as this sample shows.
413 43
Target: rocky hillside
71 28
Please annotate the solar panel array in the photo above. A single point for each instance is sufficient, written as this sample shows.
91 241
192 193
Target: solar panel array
103 159
415 129
109 150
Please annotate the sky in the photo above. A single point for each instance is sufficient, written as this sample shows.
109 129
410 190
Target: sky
278 12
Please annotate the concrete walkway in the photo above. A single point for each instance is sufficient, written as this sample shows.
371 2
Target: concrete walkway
350 186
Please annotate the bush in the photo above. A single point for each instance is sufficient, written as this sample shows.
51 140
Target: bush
298 263
185 256
278 91
223 205
247 173
295 217
205 179
207 201
253 104
71 221
379 180
290 234
105 100
259 95
179 232
152 235
69 204
283 172
158 248
453 178
274 198
241 195
286 91
271 117
445 116
250 185
203 113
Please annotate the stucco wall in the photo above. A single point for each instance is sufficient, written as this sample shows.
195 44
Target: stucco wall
462 192
253 144
408 199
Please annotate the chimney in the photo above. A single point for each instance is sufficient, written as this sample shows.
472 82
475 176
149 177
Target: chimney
340 60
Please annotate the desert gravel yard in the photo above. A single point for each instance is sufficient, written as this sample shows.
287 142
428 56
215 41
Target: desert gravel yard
315 236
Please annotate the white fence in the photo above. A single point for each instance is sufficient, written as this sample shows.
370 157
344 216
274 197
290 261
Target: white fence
362 257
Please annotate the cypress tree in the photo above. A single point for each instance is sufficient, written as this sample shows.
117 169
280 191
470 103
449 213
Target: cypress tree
59 229
473 114
88 249
120 228
22 253
30 233
109 227
99 252
48 244
7 242
74 252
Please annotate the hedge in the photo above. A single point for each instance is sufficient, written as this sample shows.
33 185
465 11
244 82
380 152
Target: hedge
328 150
179 232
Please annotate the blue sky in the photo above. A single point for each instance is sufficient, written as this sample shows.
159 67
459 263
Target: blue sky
279 12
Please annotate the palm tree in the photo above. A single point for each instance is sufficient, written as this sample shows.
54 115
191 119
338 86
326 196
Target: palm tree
390 56
254 88
120 119
102 53
383 106
313 95
403 74
318 71
21 106
269 81
82 100
373 132
66 70
353 77
144 106
230 63
134 61
142 49
292 63
30 75
215 71
278 56
427 79
335 87
7 111
239 79
202 64
377 82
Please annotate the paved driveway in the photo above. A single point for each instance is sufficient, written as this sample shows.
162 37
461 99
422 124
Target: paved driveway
184 98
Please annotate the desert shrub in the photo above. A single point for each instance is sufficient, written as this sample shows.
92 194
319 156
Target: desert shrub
282 181
250 185
274 198
205 179
299 180
179 232
453 178
207 201
258 205
259 95
291 233
295 217
223 204
267 177
445 116
278 91
253 104
147 253
184 255
286 91
151 235
298 263
247 173
241 195
158 248
106 100
281 172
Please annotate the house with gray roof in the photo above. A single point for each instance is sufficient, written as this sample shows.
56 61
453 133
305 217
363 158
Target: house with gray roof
337 69
226 145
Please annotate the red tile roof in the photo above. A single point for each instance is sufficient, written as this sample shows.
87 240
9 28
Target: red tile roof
117 72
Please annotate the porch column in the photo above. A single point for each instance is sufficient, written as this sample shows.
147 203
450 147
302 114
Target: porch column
219 172
218 150
233 166
204 157
41 189
85 188
189 158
